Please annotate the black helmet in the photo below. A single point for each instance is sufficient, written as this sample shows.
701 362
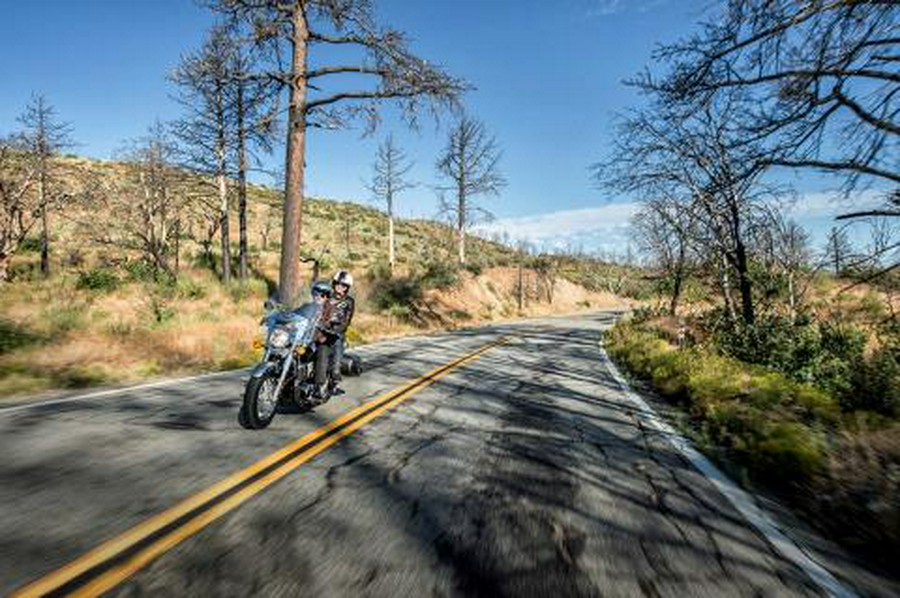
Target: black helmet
321 288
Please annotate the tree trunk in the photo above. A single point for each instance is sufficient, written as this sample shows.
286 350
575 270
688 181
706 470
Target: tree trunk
290 283
676 293
5 259
391 254
177 246
521 287
726 290
242 182
461 226
223 226
45 233
678 281
792 299
744 284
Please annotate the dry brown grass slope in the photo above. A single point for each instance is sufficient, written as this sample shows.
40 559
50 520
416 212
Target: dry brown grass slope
102 318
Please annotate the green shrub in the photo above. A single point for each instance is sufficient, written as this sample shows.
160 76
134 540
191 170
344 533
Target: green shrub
787 452
146 271
30 245
14 336
766 421
824 354
380 270
98 279
159 309
388 293
475 268
440 275
187 288
63 319
80 377
875 384
401 312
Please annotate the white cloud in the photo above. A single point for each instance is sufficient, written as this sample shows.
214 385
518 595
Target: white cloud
604 228
829 205
607 228
603 8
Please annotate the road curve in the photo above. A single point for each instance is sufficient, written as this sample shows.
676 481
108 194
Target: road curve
524 472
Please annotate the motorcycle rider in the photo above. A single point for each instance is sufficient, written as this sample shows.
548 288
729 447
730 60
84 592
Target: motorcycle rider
321 291
336 318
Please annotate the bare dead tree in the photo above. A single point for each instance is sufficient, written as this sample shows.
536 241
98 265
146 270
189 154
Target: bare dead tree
838 249
692 158
268 223
666 230
792 254
206 131
389 180
255 129
470 163
19 210
44 136
825 78
146 204
301 40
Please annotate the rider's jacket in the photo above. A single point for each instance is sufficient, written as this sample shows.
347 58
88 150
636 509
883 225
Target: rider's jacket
337 315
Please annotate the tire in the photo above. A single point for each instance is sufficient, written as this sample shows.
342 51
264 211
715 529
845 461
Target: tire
351 365
258 410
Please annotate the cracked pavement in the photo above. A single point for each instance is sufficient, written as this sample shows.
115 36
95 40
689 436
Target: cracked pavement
523 473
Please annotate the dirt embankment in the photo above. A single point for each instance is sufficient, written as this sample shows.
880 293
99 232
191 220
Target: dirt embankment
495 294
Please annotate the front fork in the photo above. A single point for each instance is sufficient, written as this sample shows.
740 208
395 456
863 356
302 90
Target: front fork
285 368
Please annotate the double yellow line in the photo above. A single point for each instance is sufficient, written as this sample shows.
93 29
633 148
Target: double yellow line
111 563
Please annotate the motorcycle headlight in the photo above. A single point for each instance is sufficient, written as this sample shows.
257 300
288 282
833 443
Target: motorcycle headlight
280 338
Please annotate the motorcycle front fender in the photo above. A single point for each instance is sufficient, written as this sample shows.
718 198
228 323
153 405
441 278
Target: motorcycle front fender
263 368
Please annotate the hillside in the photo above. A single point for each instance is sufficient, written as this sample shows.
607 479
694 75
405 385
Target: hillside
105 317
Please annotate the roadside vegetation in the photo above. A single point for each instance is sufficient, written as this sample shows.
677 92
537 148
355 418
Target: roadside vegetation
781 350
809 410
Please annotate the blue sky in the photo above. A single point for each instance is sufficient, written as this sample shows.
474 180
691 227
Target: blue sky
548 78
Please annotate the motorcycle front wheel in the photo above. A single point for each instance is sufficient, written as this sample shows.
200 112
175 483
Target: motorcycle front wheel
260 402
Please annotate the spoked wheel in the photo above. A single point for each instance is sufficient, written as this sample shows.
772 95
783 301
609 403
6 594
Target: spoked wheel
260 403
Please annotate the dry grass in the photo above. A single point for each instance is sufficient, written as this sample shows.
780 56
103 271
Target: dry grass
143 329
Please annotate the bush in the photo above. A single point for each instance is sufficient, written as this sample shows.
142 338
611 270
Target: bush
98 279
392 292
146 271
13 336
63 319
824 354
440 275
875 384
769 423
187 288
475 268
30 245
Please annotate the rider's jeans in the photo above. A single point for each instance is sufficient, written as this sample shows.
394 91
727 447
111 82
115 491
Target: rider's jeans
337 358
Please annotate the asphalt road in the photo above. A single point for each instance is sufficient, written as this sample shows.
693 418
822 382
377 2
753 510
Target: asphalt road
524 472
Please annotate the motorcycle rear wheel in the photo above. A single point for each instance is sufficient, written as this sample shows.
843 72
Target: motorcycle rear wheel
260 404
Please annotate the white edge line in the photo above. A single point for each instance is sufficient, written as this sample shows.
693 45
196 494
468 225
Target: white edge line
113 391
739 499
385 344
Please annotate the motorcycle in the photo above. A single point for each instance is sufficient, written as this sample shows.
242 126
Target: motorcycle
285 377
